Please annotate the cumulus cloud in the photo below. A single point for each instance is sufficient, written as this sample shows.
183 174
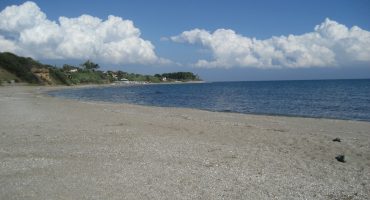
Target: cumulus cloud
25 30
330 44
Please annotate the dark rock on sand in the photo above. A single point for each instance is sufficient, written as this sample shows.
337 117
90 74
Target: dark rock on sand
336 140
340 158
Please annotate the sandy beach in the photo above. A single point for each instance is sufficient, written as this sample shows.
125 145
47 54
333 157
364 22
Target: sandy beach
53 148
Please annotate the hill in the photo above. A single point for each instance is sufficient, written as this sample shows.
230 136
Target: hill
19 69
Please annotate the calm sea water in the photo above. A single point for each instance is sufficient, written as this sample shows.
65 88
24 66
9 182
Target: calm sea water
340 99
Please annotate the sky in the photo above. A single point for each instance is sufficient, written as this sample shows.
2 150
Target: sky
235 40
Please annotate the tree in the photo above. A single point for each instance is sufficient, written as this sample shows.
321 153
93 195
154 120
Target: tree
121 74
181 76
88 65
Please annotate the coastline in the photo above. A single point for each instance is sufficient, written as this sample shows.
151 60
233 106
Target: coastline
60 87
59 148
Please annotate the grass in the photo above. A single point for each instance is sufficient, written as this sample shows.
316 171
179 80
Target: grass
7 76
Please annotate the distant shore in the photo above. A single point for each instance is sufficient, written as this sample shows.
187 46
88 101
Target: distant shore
62 87
53 148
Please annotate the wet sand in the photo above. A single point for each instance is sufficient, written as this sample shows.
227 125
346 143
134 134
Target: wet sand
53 148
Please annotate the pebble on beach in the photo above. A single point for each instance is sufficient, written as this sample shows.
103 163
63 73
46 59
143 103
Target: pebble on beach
336 140
340 158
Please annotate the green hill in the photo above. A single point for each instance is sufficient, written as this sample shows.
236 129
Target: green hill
19 69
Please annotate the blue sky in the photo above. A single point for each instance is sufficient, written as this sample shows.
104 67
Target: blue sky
161 23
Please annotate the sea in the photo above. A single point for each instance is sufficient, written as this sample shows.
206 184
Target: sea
335 99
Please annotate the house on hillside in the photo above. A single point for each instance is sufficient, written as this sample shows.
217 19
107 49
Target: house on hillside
124 80
112 74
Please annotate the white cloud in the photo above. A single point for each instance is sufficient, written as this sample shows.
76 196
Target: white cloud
330 44
25 30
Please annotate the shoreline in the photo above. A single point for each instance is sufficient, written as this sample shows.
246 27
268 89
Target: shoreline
56 88
56 148
62 87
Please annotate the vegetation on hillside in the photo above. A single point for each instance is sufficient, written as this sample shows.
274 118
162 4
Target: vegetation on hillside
179 76
21 69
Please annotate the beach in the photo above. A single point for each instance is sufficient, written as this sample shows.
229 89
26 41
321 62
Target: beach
54 148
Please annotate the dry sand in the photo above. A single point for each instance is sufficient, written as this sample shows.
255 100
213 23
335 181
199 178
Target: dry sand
54 148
